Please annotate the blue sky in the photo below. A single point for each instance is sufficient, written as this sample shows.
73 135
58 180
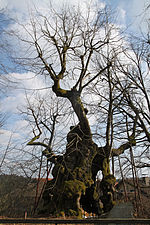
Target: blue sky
134 13
130 12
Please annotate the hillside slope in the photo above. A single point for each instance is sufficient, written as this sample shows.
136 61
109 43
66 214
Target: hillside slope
17 195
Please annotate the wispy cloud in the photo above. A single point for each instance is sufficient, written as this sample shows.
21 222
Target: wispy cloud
139 14
17 96
5 136
20 9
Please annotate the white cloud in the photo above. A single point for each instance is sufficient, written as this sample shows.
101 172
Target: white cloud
21 8
17 96
27 80
21 124
3 4
6 136
21 129
122 13
10 103
15 125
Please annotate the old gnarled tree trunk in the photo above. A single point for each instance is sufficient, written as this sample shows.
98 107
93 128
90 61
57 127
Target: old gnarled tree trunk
73 186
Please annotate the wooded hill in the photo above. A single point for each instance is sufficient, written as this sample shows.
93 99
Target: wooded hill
17 195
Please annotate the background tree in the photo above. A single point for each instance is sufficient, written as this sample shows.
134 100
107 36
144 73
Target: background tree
136 91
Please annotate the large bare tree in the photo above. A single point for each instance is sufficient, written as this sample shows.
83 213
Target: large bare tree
76 51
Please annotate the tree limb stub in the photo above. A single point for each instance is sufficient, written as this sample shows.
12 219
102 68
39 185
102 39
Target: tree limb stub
123 147
33 139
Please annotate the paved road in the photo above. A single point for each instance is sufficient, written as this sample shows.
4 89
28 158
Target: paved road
122 210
